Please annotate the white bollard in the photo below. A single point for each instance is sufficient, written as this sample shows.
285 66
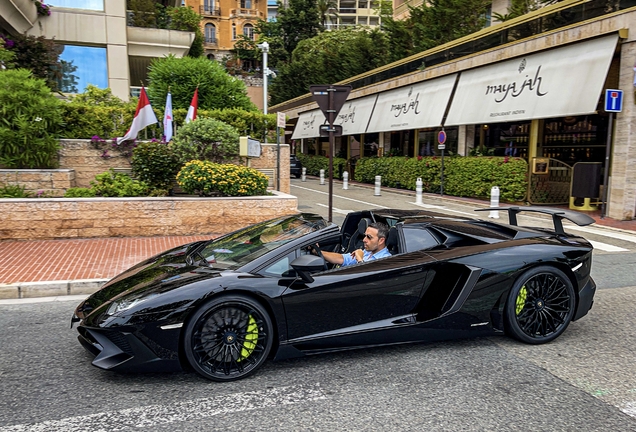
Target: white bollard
345 180
322 176
303 176
494 202
378 183
418 190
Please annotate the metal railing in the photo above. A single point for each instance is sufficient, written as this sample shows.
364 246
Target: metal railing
208 10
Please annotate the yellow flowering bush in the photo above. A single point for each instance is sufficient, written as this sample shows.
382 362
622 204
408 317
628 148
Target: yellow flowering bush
207 178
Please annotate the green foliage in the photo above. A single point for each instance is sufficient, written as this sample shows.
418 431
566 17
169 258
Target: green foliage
217 89
463 176
6 57
14 191
315 163
78 192
186 19
96 112
206 139
37 54
298 20
328 58
155 163
327 11
207 178
112 184
31 118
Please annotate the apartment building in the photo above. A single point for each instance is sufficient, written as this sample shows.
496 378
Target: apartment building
97 38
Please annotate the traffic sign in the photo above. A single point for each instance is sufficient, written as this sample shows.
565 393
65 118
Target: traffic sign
441 137
613 100
320 93
324 130
280 120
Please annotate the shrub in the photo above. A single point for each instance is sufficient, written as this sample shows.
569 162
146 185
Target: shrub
14 191
155 163
206 139
79 192
31 119
206 178
315 163
112 184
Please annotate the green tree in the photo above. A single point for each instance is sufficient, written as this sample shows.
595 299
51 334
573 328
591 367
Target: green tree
37 54
327 10
398 32
298 20
217 89
186 19
31 120
328 58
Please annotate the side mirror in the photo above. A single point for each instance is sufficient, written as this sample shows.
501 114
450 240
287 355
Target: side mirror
306 264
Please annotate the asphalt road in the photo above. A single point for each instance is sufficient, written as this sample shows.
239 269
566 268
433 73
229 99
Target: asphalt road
583 381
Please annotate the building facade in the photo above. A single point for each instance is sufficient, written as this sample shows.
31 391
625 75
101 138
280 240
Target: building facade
104 50
533 87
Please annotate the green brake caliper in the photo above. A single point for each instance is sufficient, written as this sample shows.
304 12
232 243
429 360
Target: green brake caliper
251 336
521 299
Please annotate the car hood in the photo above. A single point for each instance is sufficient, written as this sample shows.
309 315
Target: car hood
164 272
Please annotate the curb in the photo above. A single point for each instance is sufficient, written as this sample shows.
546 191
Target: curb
23 290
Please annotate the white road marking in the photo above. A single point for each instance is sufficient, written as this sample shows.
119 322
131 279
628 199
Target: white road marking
630 409
76 298
430 206
612 234
148 417
341 197
337 210
606 247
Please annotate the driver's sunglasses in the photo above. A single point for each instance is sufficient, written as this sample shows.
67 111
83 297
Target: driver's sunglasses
369 236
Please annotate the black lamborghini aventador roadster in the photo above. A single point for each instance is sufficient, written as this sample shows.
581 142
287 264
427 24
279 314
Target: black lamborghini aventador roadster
226 305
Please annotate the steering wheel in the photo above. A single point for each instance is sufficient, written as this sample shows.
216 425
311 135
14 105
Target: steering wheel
320 254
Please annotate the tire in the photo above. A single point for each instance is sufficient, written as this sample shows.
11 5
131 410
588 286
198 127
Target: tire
540 305
228 338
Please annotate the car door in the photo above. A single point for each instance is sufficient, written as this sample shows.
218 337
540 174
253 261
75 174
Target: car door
355 305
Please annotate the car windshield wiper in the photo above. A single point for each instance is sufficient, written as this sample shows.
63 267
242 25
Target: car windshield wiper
190 259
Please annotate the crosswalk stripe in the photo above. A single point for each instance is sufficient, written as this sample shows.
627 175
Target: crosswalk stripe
150 417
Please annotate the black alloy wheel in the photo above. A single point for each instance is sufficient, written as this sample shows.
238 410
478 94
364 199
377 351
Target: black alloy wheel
228 338
540 305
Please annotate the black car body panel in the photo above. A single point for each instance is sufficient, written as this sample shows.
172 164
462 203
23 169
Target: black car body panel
448 277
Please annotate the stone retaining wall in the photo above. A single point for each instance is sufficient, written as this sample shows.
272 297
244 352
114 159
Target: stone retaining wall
45 182
56 218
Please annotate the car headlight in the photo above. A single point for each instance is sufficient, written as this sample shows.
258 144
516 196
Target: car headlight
126 303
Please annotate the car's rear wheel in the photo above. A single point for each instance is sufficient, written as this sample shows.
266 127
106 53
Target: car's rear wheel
228 338
540 305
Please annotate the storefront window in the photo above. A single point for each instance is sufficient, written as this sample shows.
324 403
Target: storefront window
427 140
354 146
97 5
575 139
503 139
371 141
83 66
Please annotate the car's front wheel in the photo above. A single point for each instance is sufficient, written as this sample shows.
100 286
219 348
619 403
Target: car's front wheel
540 305
228 338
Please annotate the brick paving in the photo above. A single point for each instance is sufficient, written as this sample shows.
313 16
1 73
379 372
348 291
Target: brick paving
78 259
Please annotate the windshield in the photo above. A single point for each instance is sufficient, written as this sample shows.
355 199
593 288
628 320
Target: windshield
241 247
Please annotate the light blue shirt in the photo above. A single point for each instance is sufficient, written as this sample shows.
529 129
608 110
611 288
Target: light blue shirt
368 256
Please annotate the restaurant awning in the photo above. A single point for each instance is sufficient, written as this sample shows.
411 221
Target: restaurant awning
414 106
561 82
353 117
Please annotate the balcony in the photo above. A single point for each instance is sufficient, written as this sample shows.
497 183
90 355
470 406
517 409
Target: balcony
209 11
18 15
210 42
247 13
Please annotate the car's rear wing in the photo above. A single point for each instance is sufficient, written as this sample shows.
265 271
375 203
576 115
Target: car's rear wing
580 219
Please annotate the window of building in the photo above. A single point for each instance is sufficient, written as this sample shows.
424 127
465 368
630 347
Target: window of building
246 4
233 31
83 66
248 31
97 5
210 33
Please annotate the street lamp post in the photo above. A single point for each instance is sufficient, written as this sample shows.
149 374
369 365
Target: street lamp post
265 48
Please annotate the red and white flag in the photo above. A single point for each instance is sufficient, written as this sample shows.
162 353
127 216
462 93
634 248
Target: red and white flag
192 111
144 116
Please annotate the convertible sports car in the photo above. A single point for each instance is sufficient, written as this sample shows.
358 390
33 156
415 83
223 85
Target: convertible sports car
222 307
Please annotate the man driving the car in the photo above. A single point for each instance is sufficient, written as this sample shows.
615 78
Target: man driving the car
374 247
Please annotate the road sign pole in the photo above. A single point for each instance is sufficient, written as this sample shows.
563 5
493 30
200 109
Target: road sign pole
332 146
608 149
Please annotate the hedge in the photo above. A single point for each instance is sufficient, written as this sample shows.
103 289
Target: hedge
464 176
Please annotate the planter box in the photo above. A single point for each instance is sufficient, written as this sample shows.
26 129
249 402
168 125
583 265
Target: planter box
57 218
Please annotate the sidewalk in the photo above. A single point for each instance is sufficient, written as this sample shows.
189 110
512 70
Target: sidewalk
79 266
